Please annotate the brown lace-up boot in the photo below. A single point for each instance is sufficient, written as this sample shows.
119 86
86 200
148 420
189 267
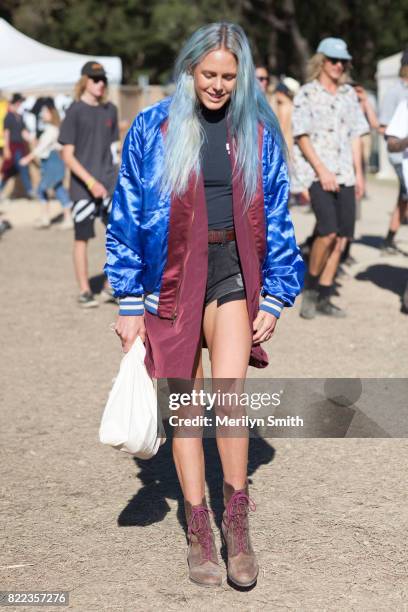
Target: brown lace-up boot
202 556
242 564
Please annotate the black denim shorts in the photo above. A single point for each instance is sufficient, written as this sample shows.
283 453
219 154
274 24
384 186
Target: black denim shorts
224 281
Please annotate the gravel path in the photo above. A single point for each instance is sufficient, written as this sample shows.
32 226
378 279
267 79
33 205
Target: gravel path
331 522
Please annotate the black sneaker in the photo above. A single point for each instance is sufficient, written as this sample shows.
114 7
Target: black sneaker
108 297
309 301
87 300
340 272
4 226
350 261
389 248
326 307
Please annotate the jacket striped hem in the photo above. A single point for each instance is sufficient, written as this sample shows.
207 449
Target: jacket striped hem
151 302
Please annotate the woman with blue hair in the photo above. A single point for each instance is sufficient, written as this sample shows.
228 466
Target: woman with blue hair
201 251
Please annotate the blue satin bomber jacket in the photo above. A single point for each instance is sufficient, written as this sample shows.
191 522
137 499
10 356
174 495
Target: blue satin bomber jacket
138 228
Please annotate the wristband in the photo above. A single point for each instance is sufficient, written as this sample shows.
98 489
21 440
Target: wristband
131 305
90 183
272 305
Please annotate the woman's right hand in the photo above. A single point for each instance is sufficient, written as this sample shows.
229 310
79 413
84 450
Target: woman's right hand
128 328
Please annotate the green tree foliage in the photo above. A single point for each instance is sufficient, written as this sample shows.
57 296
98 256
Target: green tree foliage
148 35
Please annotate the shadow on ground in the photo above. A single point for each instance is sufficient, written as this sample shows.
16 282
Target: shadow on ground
57 219
159 482
376 242
369 240
391 278
96 283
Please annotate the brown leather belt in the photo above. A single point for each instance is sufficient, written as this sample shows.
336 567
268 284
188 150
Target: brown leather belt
221 236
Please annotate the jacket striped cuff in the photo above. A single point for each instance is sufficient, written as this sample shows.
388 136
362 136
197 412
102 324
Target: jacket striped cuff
272 305
152 302
131 305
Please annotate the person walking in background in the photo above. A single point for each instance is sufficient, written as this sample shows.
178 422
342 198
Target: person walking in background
15 146
285 92
89 129
366 146
366 106
266 82
3 112
388 107
52 168
327 127
4 224
262 76
397 142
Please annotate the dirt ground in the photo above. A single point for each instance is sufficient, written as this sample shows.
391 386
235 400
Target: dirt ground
331 524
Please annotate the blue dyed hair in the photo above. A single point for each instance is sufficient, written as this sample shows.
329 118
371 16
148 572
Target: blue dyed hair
248 106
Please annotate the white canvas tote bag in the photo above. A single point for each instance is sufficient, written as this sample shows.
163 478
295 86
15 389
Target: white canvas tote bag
129 421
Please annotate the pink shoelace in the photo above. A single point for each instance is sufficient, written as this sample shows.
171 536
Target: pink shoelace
237 510
199 526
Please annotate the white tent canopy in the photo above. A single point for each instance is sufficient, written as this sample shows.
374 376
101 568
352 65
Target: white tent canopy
28 64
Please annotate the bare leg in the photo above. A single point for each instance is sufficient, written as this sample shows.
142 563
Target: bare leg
229 340
81 264
321 249
67 213
106 284
398 215
332 263
47 210
188 458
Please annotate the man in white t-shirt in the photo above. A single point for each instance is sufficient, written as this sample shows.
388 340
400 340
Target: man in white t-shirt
392 98
397 142
397 135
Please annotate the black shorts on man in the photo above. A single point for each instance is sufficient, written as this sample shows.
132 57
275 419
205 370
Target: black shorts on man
403 190
335 210
84 213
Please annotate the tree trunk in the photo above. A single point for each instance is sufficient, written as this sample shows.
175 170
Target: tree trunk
272 59
300 44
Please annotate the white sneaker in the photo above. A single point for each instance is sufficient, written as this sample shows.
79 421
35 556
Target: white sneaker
87 300
67 224
42 223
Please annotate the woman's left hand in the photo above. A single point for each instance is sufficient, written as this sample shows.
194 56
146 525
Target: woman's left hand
264 326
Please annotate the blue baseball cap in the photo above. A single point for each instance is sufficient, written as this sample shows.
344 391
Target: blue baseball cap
334 47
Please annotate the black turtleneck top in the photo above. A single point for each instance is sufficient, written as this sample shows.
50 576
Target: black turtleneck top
216 168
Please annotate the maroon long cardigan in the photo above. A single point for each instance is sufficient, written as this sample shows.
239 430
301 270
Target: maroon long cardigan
173 336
